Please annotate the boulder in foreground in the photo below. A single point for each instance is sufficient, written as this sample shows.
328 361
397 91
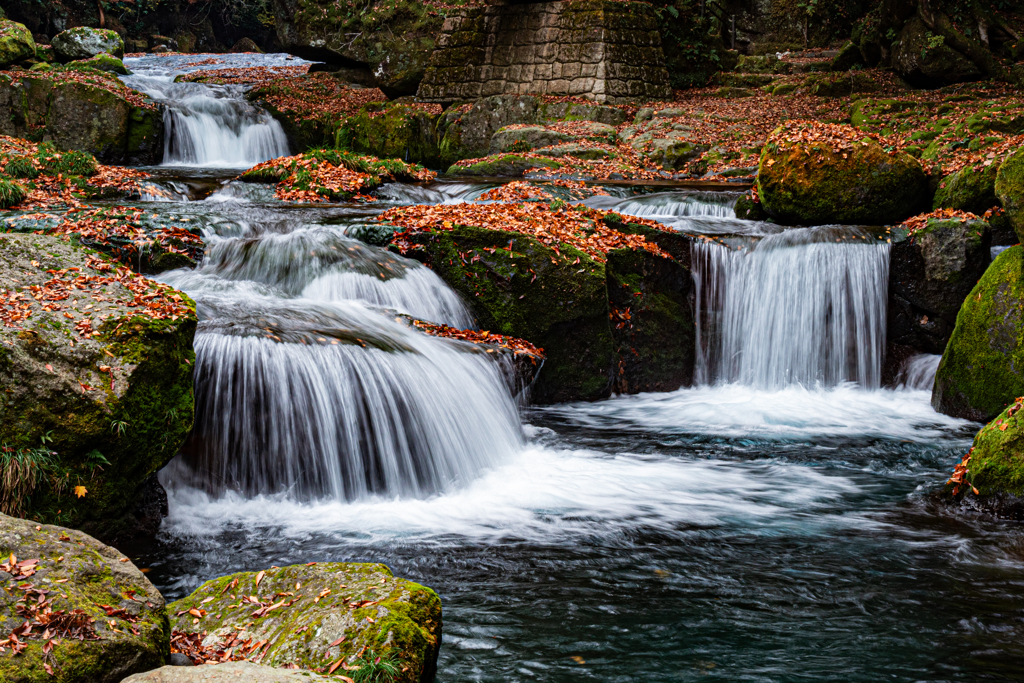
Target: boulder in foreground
228 672
982 369
74 610
321 617
825 173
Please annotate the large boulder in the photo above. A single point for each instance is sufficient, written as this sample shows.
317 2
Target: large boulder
393 131
83 42
101 62
1009 188
972 188
80 611
228 672
982 368
931 271
105 118
15 43
315 615
96 387
925 60
814 183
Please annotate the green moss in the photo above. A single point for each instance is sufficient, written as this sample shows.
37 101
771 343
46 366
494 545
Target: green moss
502 165
982 369
997 458
393 131
15 42
1009 188
101 62
970 189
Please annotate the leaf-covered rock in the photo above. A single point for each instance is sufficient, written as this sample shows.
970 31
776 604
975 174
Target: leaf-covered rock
101 62
933 265
972 188
105 619
1009 188
83 42
982 368
820 174
318 615
96 384
15 42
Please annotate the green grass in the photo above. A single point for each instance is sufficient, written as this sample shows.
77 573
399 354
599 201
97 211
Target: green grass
11 192
374 668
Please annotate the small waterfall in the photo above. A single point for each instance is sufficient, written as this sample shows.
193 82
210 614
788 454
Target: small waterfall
805 306
918 372
670 204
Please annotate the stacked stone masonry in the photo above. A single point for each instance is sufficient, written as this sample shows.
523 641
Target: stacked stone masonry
604 50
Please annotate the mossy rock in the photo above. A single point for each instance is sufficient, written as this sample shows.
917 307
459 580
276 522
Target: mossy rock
229 672
502 165
392 131
15 42
550 299
101 62
114 407
997 457
749 210
970 189
925 60
136 637
83 42
982 368
1009 188
810 184
314 607
527 138
930 274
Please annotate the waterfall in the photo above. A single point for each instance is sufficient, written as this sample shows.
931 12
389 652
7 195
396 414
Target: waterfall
918 372
805 306
670 204
211 125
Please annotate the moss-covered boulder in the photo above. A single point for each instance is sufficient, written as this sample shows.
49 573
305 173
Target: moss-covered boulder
814 183
314 615
1009 188
982 368
925 60
105 619
520 287
931 271
748 209
100 116
393 131
502 165
96 387
101 62
528 138
229 672
15 43
83 42
972 188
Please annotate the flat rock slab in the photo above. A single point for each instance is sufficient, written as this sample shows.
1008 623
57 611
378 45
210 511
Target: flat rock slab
229 672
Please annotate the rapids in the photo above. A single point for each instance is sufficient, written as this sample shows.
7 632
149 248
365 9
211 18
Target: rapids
770 524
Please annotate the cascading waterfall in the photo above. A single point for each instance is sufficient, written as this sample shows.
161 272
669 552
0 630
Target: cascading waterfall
805 306
670 204
918 372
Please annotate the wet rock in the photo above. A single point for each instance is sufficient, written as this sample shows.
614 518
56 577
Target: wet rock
502 166
101 62
117 612
246 45
982 369
537 295
393 131
849 56
1009 188
930 274
527 138
811 184
103 411
83 42
970 189
228 672
749 210
15 43
313 615
925 60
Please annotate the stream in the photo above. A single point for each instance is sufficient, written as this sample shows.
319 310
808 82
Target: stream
772 523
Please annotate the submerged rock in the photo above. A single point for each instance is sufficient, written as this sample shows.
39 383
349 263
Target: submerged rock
114 123
106 620
315 615
96 382
1009 188
931 272
816 183
83 42
982 368
228 672
15 42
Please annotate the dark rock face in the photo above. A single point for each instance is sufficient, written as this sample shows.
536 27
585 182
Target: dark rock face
92 575
982 369
608 51
930 275
81 117
1009 188
926 61
969 189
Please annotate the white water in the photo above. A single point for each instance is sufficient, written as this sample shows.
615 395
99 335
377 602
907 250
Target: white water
207 125
918 372
804 306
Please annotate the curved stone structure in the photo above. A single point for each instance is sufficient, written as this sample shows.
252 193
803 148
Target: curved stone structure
604 50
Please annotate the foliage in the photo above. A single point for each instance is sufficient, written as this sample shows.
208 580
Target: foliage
374 668
22 470
691 40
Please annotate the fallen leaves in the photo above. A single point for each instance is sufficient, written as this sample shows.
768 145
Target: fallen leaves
918 223
480 337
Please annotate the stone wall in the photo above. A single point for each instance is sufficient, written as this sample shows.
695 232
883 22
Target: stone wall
600 49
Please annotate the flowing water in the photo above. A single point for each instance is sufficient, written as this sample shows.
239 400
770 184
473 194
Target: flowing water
772 523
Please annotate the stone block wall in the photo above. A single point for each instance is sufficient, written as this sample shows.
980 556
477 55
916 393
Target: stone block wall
605 50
